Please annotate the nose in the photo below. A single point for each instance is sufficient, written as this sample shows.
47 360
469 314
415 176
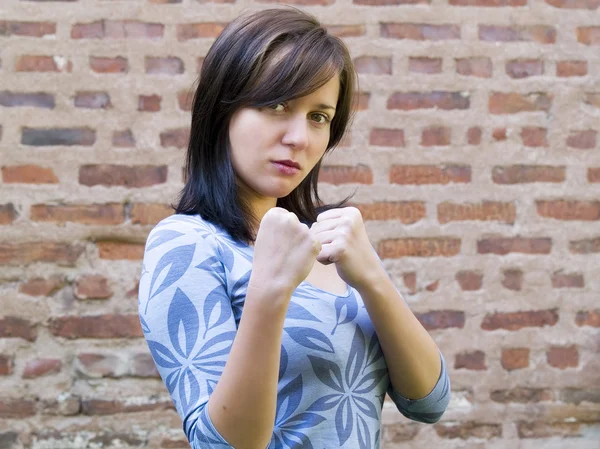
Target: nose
296 132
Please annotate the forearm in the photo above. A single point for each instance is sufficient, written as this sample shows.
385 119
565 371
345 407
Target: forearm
243 404
411 355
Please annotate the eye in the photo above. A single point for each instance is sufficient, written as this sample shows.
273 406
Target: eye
276 106
321 118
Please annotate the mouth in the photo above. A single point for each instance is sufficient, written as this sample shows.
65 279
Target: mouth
289 163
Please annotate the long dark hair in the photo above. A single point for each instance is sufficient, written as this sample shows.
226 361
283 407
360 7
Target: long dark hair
258 60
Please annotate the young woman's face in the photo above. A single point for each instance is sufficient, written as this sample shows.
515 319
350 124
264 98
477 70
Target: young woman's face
297 130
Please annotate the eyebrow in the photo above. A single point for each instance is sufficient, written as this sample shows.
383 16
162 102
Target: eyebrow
324 106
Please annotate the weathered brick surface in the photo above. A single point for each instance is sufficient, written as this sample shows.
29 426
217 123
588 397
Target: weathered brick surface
474 151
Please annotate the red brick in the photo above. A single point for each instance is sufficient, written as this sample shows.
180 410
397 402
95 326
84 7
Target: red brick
123 139
515 358
389 2
98 326
514 103
164 66
387 137
571 68
469 429
419 31
149 103
64 254
524 68
513 280
117 29
29 29
43 286
585 246
471 360
505 245
41 63
469 280
362 101
41 367
499 134
98 214
410 282
540 34
574 4
120 250
100 365
563 357
342 31
436 136
92 287
117 64
8 213
593 174
92 100
588 35
407 212
522 395
566 430
13 327
513 321
373 65
340 174
569 209
474 136
188 31
112 407
484 211
185 98
408 101
176 137
592 98
522 174
582 140
419 247
433 286
430 174
6 366
17 408
174 443
28 174
567 280
58 136
534 136
579 395
588 318
142 365
441 319
478 67
148 213
134 292
425 65
135 176
28 99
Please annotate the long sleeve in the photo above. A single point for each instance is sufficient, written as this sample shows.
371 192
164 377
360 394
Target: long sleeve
187 319
430 408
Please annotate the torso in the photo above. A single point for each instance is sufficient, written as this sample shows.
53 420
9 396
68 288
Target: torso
326 278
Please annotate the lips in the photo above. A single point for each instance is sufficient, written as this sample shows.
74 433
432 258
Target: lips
289 163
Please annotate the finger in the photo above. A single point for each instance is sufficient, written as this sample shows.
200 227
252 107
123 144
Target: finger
331 213
328 254
326 225
326 237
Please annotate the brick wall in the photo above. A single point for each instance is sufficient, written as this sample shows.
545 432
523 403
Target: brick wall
476 155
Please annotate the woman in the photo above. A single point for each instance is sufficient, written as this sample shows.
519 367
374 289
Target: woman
258 345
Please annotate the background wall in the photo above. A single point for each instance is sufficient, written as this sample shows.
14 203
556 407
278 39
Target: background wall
476 155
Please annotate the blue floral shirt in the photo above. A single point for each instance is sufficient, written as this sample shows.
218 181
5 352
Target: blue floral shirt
332 377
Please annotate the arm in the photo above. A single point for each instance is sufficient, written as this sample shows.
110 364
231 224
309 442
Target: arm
242 407
420 386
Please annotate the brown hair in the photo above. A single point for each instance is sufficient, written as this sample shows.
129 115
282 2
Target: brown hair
259 59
